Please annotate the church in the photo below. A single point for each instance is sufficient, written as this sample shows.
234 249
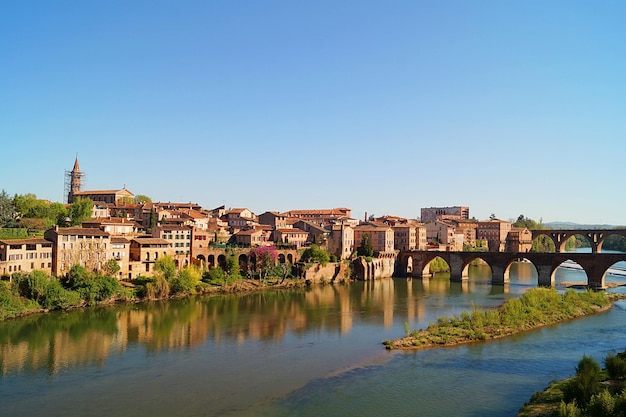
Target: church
74 184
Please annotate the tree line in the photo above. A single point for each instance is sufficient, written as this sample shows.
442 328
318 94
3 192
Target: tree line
22 214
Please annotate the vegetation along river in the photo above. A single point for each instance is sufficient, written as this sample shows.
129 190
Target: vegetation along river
314 352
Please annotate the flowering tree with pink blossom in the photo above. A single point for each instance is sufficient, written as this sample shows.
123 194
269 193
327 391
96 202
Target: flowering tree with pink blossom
265 257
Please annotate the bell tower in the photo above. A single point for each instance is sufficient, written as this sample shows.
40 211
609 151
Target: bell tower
73 182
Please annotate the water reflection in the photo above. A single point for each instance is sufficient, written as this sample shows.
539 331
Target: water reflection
57 341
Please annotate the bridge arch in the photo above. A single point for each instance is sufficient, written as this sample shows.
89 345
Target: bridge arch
615 240
243 262
221 261
526 271
573 266
543 242
408 266
577 242
615 273
436 262
469 261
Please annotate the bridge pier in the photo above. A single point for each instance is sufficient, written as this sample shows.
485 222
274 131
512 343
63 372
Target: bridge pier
499 275
545 275
595 280
458 272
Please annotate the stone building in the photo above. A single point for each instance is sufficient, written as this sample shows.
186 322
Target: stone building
88 247
519 240
495 232
430 214
381 236
25 256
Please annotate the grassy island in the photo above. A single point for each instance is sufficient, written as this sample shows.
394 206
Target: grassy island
537 307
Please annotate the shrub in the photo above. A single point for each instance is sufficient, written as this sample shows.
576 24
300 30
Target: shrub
166 265
601 405
620 404
157 288
585 384
106 287
569 410
588 365
215 275
33 285
10 304
615 365
93 288
185 281
57 297
314 253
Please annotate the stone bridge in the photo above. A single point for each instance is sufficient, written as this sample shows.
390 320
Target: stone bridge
596 237
595 265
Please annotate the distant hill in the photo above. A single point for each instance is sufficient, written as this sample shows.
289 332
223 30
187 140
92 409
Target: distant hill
573 226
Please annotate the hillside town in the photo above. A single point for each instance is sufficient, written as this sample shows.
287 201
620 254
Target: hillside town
136 234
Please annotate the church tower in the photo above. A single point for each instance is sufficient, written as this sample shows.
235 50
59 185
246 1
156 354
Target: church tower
73 182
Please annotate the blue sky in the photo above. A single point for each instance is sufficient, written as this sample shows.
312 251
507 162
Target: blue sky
384 107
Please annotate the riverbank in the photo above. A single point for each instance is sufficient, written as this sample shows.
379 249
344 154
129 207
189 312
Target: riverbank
536 308
546 403
13 306
593 391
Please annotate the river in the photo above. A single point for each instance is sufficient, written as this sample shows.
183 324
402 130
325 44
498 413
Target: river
314 352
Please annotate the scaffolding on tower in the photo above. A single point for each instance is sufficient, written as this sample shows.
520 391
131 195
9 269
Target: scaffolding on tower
73 182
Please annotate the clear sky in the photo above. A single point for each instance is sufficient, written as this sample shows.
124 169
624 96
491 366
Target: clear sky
508 107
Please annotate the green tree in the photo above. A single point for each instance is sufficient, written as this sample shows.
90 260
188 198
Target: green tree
58 297
185 281
232 267
142 199
76 276
543 244
585 384
79 211
23 203
528 223
33 285
166 265
215 275
8 215
34 213
365 248
111 267
616 365
314 253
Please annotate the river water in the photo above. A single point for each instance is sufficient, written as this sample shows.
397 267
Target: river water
314 352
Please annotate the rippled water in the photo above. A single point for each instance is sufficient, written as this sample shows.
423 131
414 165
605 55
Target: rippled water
305 353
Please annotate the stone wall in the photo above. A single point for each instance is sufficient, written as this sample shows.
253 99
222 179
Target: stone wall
377 268
332 272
